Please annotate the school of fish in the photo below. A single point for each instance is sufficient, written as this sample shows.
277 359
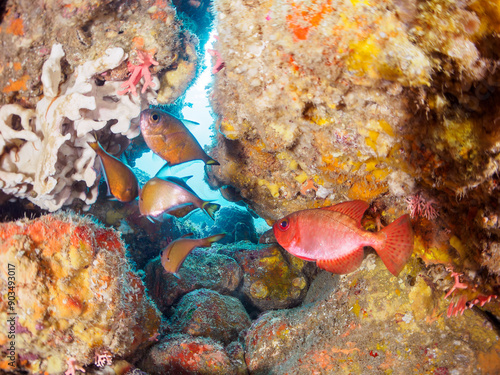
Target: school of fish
333 236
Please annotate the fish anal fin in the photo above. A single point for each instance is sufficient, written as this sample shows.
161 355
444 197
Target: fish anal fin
343 264
398 245
305 258
353 209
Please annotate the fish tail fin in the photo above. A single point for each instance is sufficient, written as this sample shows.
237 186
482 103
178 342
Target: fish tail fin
398 245
210 208
216 237
211 161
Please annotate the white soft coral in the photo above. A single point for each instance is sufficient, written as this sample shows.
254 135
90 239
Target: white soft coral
43 161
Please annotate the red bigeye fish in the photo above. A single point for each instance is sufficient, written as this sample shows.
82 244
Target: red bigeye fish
169 138
121 181
334 238
174 254
173 197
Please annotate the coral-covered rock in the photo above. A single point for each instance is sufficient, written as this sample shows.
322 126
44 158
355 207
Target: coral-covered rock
370 321
93 70
77 295
86 29
271 279
392 102
201 269
184 354
207 313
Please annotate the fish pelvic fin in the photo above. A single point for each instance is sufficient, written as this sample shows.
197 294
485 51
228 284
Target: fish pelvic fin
398 246
212 162
345 264
210 209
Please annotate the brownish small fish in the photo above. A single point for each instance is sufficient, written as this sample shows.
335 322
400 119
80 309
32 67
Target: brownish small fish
169 138
160 196
174 254
121 181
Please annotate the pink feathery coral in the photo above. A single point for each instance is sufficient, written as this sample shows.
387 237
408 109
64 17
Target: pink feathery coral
418 206
73 367
138 71
103 358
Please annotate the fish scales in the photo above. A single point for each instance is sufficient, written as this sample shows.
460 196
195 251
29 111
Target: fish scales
169 138
120 179
334 237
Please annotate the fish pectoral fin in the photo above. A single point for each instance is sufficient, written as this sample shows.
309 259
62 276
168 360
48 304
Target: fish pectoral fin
353 209
344 264
190 122
150 219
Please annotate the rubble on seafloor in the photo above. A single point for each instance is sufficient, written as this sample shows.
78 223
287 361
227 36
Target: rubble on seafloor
79 300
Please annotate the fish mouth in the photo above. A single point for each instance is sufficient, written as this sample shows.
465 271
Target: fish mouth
268 237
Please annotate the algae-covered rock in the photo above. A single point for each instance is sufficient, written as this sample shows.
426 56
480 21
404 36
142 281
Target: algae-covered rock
86 29
372 322
395 103
271 280
237 223
184 354
76 294
207 313
202 269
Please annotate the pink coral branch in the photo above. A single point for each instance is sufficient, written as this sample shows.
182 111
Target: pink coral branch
459 307
73 367
219 63
462 303
138 71
457 285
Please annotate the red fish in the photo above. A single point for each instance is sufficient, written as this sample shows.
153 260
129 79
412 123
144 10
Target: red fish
334 238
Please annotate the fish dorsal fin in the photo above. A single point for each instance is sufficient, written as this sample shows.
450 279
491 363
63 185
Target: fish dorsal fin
187 235
353 209
344 264
162 170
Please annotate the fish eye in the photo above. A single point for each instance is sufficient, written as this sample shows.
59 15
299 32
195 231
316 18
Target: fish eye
283 224
155 117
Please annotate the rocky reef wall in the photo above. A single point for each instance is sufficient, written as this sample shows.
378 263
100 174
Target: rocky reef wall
395 103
